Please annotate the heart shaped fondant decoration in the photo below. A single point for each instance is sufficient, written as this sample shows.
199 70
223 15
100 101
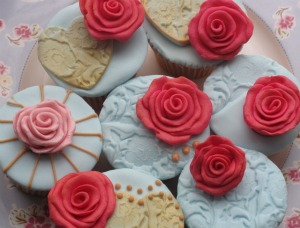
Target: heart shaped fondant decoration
73 56
172 17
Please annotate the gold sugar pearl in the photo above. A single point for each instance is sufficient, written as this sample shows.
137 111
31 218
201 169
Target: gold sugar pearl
150 187
195 144
175 157
177 206
170 197
181 217
158 183
141 202
117 186
186 150
131 199
140 191
119 195
150 197
129 187
161 194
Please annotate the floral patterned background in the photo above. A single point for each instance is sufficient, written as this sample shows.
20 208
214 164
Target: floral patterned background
21 22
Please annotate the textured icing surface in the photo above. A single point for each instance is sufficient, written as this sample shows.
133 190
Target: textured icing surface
142 201
184 55
172 17
127 143
259 201
126 59
73 55
227 87
44 174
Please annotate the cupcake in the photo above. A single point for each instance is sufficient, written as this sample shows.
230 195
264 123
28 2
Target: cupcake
227 186
47 132
152 123
117 198
91 52
182 48
255 104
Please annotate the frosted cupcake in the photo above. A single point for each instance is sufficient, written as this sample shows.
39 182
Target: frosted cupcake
227 186
92 51
255 104
183 49
46 133
118 198
152 124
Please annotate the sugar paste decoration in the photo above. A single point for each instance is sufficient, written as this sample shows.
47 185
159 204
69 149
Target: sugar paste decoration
112 19
272 105
73 56
51 154
172 17
174 109
218 165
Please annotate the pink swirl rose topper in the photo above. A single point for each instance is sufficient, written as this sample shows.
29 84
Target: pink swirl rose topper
112 19
272 105
175 109
219 30
47 127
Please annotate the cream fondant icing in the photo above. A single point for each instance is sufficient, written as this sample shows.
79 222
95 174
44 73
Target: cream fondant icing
227 87
260 200
129 144
87 136
142 201
182 55
126 59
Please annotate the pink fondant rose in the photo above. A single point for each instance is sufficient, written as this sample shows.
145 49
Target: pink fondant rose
272 105
219 30
45 128
218 165
175 109
85 199
112 19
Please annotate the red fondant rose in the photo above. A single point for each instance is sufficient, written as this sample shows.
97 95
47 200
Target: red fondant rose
45 128
112 19
272 105
218 165
219 30
84 199
175 109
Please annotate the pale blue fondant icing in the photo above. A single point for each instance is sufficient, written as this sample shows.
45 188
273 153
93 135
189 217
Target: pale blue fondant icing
128 144
183 55
126 60
43 179
227 88
259 201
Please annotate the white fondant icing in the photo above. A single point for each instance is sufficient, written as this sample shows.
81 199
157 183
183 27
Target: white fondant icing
129 144
183 55
43 179
227 88
260 200
126 60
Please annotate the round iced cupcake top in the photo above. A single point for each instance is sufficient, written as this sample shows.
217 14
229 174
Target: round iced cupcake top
142 201
128 142
227 88
167 30
259 200
77 61
51 132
